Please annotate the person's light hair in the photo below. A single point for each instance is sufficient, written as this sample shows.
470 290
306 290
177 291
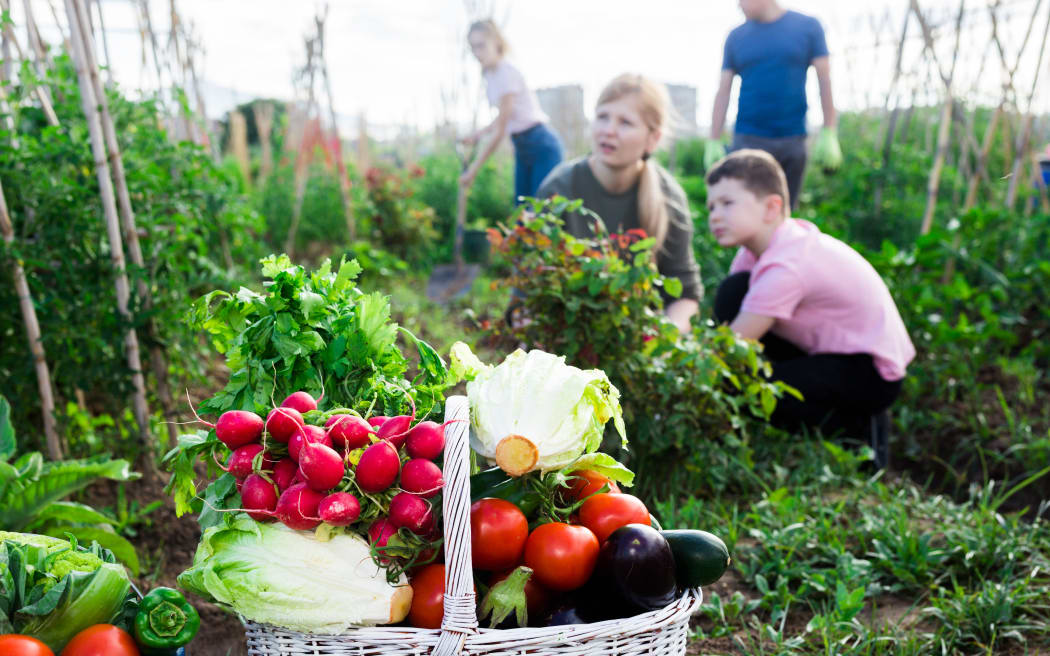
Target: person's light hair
654 104
489 28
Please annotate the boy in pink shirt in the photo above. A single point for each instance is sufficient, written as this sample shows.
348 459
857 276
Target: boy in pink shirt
828 323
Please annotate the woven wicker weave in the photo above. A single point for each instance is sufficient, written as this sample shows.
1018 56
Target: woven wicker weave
661 632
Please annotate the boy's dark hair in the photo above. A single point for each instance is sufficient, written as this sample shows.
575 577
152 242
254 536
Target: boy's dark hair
756 170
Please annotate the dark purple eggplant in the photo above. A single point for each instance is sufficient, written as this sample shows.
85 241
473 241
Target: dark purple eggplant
568 613
635 572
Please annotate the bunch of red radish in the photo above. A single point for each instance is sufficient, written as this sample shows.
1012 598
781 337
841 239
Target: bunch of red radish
317 480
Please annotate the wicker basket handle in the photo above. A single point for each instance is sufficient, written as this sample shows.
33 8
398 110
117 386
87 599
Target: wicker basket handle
460 616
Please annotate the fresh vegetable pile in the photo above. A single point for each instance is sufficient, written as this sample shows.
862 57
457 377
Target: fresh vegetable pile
59 597
322 512
318 505
553 539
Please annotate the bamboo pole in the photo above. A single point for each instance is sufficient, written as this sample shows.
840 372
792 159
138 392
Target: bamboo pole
32 328
81 43
263 114
944 131
887 138
158 361
302 158
344 176
176 47
11 39
105 40
1022 141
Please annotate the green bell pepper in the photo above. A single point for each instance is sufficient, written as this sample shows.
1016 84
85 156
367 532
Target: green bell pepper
165 621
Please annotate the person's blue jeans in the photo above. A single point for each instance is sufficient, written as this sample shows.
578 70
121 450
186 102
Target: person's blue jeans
536 152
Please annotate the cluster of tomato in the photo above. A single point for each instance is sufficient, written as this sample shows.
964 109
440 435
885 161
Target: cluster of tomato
561 555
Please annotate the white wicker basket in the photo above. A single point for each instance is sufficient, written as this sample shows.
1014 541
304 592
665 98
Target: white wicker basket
662 632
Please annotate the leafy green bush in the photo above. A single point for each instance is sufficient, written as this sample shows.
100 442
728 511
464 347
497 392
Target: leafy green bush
322 223
32 492
193 229
395 219
688 400
490 199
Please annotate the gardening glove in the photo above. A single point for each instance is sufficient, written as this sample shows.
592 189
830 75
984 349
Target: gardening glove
827 154
714 150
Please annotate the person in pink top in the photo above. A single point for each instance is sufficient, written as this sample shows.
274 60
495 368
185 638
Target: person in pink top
826 318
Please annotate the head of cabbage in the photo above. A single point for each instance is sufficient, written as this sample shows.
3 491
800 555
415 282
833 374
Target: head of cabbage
534 412
53 588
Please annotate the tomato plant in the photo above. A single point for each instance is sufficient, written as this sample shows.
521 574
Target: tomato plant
102 640
498 531
562 556
604 513
20 645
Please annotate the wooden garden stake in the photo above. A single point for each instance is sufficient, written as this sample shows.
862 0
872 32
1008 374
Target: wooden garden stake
158 361
1021 150
344 176
944 131
36 345
263 114
10 39
81 43
105 41
302 157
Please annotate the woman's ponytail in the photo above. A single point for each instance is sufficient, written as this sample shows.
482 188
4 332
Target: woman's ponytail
652 204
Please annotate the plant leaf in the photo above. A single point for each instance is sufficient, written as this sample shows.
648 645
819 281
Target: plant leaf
56 481
7 431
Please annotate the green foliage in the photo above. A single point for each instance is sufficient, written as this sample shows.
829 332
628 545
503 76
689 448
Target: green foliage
687 400
490 199
32 489
192 226
323 220
319 333
395 219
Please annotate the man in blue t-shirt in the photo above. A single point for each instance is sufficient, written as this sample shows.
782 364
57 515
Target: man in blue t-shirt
772 52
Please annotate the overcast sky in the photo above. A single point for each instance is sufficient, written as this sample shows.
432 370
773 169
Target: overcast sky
395 60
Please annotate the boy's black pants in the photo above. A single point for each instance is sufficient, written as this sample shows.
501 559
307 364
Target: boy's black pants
841 391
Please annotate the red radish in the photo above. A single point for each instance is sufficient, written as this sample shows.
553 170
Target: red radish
339 509
297 507
284 472
301 401
240 485
238 427
282 423
377 421
422 478
240 461
425 440
305 434
380 531
378 467
259 494
410 512
395 430
348 432
321 466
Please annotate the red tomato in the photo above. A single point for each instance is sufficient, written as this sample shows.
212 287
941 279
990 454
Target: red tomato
101 640
604 513
498 530
562 556
537 598
428 597
20 645
585 482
